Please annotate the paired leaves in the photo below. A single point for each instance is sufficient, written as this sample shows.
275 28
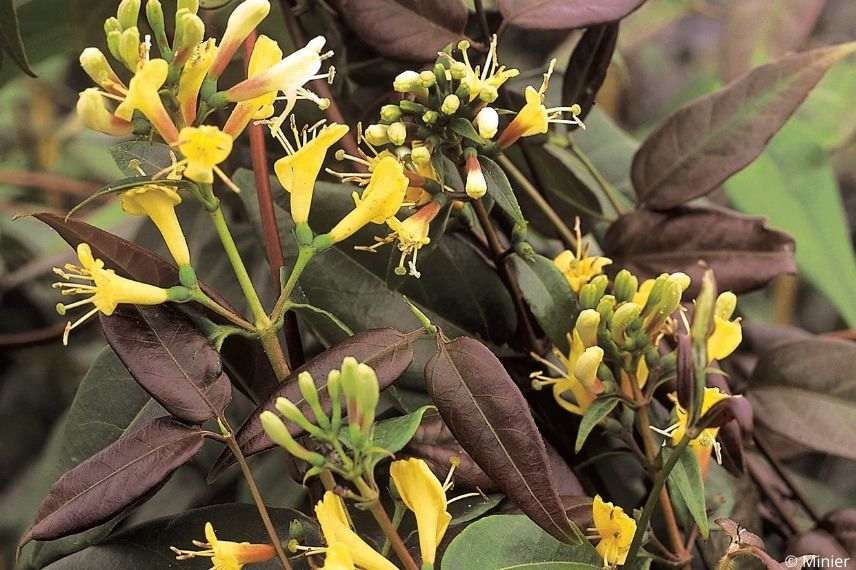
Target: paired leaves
114 478
743 253
564 14
171 360
588 64
702 145
488 415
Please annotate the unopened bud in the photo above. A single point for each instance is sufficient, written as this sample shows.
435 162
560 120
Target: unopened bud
406 81
458 70
293 414
625 286
191 6
622 317
277 431
114 38
487 122
669 301
589 296
421 155
154 15
128 13
397 133
310 394
450 105
129 47
93 112
409 106
704 310
376 135
488 94
189 31
112 24
725 305
96 66
682 279
334 390
440 76
427 79
587 365
587 323
430 117
368 395
390 113
476 185
655 293
605 307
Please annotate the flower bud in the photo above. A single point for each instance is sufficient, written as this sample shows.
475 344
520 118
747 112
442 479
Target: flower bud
406 81
587 365
397 133
421 155
112 24
189 32
476 186
589 296
458 70
128 13
390 113
368 395
348 380
487 122
625 286
93 112
277 431
725 305
242 21
682 279
587 323
293 414
129 47
114 38
704 309
310 394
605 307
430 117
427 79
154 15
191 6
409 106
334 390
450 104
488 94
669 301
622 317
377 135
96 66
656 291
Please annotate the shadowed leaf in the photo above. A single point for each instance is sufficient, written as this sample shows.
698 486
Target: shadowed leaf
10 37
587 66
548 295
488 415
564 14
702 145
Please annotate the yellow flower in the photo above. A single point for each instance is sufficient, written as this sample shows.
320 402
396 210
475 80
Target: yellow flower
203 148
266 54
644 291
225 554
534 118
330 512
92 110
337 557
106 290
706 440
727 334
423 494
143 96
192 77
484 82
298 170
411 235
616 529
380 201
96 66
579 268
158 202
242 21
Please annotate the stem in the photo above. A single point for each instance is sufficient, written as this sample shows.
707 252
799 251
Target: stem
502 266
648 509
562 229
273 349
379 513
768 454
304 256
482 17
200 297
397 516
239 268
608 189
257 498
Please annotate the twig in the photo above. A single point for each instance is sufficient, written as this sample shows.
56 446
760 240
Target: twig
482 17
32 337
48 182
382 518
768 454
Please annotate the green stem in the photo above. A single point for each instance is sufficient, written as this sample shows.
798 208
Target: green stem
608 189
273 349
239 268
653 497
304 256
379 514
200 297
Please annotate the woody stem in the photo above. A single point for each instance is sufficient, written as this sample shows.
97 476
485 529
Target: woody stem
382 518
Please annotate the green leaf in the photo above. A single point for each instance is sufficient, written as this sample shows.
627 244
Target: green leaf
609 148
465 128
687 486
128 184
393 434
548 295
151 157
499 188
794 185
503 542
599 409
10 36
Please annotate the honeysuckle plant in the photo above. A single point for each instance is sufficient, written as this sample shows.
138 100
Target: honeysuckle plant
458 335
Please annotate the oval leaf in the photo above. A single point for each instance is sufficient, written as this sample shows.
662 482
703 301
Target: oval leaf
114 478
488 415
500 190
687 486
564 14
742 251
10 37
587 66
388 351
170 359
408 29
598 410
702 145
548 295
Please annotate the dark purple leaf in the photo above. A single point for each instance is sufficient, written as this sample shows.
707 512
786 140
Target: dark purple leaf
702 145
841 524
388 351
407 29
170 359
490 418
587 67
816 543
742 251
564 14
114 478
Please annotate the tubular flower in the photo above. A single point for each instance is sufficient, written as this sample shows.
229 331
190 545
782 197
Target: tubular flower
380 201
266 54
579 268
411 235
476 185
158 202
242 21
288 76
705 442
203 148
225 554
337 557
330 512
298 170
143 96
487 122
96 66
192 77
615 528
106 290
423 494
727 334
483 83
534 118
92 110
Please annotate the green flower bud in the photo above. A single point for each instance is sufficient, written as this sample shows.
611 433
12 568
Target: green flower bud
412 107
625 286
427 79
450 105
189 31
293 414
128 13
605 307
191 6
458 70
129 47
440 76
348 379
488 94
589 296
655 294
587 365
463 92
390 113
623 316
397 133
682 279
310 394
367 396
376 135
279 434
154 15
112 24
96 66
705 306
725 305
334 390
114 38
421 155
406 81
430 117
670 300
587 323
